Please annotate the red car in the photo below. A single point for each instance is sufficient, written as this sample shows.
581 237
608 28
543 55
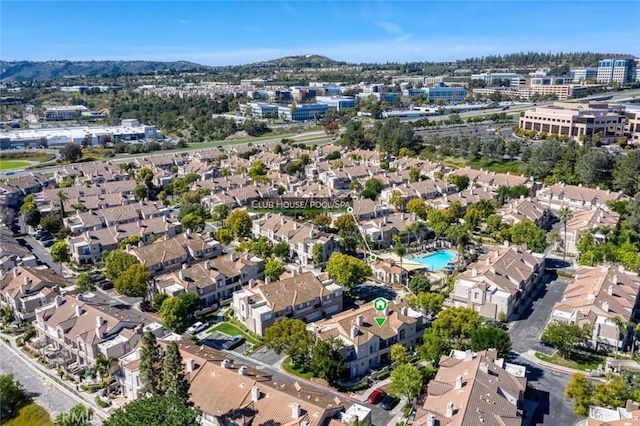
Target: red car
376 396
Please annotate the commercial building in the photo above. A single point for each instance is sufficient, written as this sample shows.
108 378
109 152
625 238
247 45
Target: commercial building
488 77
337 102
579 75
616 70
388 97
70 112
446 93
599 297
575 123
259 110
303 112
632 123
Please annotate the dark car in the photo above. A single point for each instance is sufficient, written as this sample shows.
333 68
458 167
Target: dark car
105 284
48 243
43 236
233 342
376 396
388 402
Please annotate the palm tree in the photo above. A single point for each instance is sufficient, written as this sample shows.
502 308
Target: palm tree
399 249
459 237
103 365
565 214
623 329
62 198
636 332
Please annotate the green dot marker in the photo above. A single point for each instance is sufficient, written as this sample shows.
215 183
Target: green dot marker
380 304
372 257
349 209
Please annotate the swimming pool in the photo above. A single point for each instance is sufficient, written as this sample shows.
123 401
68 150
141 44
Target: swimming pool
435 261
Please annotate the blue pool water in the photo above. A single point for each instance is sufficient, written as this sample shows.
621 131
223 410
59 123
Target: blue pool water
435 261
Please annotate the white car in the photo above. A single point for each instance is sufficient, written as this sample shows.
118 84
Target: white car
197 327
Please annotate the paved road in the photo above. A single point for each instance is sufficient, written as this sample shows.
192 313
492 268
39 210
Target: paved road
553 408
43 392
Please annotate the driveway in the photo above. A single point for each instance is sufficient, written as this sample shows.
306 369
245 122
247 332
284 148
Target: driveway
268 356
217 339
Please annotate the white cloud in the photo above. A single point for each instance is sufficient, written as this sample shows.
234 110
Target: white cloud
390 27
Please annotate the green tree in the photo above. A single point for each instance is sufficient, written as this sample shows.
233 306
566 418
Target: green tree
174 381
145 176
224 235
62 198
580 389
85 283
433 347
133 241
347 270
406 382
52 224
220 212
456 323
595 167
71 152
565 337
150 365
174 314
60 253
345 224
155 410
633 213
489 337
134 281
398 354
397 200
460 181
419 284
261 247
612 393
273 268
414 174
318 254
290 336
322 220
239 223
117 262
12 396
428 303
525 232
565 215
79 415
626 173
158 300
140 192
282 250
418 207
31 214
327 361
193 222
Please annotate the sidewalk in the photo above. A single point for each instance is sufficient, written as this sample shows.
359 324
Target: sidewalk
531 357
63 385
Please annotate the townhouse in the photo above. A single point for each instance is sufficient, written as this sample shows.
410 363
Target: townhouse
465 198
584 221
493 180
366 344
498 281
389 272
213 280
576 197
73 331
304 296
119 215
620 416
474 389
12 192
301 238
529 209
26 289
12 252
597 296
381 230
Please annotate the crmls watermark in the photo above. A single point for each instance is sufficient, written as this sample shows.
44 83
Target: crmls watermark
75 418
299 204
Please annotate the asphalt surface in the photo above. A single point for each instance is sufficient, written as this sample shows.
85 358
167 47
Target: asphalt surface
41 390
553 408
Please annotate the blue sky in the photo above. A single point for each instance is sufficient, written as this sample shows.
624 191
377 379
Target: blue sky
239 32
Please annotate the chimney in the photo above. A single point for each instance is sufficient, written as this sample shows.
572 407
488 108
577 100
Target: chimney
181 274
252 283
615 279
484 367
605 306
468 355
15 272
488 261
255 393
359 320
354 332
449 412
184 266
267 280
474 272
243 371
127 247
233 257
78 309
496 254
493 270
99 321
294 272
295 410
226 363
610 290
459 382
404 311
385 312
140 243
99 327
431 420
281 220
58 301
191 365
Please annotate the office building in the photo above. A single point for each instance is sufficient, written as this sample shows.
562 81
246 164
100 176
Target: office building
337 102
614 70
579 75
259 110
488 77
303 112
446 93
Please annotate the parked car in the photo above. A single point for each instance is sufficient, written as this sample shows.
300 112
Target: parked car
48 243
233 342
376 396
105 284
44 235
389 402
197 327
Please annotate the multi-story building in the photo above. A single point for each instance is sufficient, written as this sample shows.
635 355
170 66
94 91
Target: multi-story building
303 296
584 221
600 296
474 389
259 110
446 93
303 112
488 77
337 102
530 209
616 70
575 123
632 123
579 75
26 289
576 197
70 112
498 281
367 344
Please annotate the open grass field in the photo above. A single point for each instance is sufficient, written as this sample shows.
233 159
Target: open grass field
575 361
30 414
300 373
12 164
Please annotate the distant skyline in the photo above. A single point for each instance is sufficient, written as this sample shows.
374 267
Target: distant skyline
242 32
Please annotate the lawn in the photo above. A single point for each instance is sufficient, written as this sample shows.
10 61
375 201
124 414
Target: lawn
12 164
575 361
286 364
232 330
512 167
29 415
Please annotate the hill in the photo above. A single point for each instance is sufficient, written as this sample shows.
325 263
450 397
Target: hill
50 70
299 61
